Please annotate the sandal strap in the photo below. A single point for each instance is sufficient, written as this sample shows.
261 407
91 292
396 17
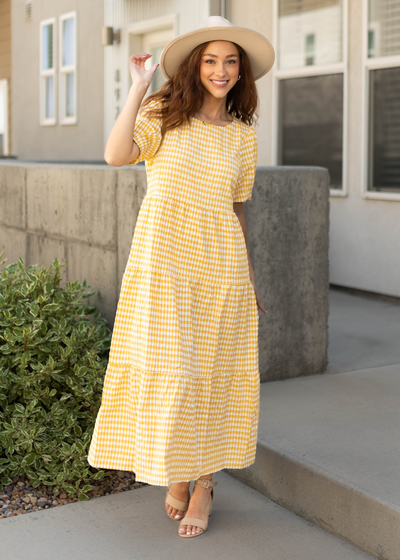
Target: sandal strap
195 522
177 504
204 483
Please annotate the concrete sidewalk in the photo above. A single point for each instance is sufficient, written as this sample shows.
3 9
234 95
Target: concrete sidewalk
328 449
134 526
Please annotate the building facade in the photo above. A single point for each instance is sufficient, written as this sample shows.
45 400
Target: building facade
332 99
57 79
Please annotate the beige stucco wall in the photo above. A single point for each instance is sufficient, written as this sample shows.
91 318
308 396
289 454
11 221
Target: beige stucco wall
83 140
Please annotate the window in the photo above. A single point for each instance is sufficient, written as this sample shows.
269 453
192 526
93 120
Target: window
47 73
299 22
311 76
311 123
68 73
310 44
3 118
383 92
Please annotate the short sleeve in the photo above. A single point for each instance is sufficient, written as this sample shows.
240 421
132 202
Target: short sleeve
147 134
248 165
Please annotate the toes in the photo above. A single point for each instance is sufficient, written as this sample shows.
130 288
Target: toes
173 512
170 511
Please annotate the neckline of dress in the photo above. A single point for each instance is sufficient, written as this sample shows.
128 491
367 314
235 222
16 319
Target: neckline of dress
211 124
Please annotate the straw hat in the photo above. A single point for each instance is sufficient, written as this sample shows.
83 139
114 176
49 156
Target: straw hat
216 28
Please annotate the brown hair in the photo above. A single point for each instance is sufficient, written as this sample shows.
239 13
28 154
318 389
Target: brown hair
182 96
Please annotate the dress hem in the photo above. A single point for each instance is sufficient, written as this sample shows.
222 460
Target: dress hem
153 482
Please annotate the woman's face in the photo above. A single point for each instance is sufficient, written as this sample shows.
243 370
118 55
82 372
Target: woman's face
219 68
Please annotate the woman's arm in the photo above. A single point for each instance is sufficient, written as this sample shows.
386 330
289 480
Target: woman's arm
120 147
238 209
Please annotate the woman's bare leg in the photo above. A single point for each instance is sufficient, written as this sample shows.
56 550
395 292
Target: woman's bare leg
199 506
180 491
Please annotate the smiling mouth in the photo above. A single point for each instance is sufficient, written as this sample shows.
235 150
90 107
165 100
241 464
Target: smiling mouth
219 82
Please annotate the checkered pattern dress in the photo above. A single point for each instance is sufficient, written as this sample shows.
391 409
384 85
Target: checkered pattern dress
181 392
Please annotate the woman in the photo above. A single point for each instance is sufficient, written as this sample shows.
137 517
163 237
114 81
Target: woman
181 393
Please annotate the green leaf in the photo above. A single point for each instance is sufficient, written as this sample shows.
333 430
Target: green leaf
19 408
99 475
51 307
87 488
77 430
83 497
69 488
30 459
60 478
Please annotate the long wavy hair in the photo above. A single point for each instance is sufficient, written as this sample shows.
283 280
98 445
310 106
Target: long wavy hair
182 96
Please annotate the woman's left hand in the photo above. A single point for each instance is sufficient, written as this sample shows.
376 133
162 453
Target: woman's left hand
260 305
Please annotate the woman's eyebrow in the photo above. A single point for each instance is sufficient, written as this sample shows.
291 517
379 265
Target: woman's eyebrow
215 56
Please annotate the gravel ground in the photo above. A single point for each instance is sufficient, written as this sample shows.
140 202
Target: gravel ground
20 498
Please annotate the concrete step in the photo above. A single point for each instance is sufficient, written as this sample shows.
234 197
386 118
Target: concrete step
134 526
329 451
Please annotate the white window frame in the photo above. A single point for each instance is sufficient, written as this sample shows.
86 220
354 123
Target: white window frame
45 74
64 119
112 63
370 64
4 87
308 71
141 28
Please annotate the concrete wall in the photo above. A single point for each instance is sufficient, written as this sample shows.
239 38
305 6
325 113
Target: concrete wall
86 216
83 140
287 224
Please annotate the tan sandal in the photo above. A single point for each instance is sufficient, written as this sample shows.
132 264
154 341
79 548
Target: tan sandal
204 483
177 504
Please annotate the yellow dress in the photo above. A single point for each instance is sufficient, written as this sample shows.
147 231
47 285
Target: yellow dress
181 392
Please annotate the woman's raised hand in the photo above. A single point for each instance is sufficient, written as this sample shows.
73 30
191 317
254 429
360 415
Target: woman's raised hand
138 72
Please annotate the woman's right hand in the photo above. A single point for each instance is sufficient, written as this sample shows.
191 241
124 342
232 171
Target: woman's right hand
138 72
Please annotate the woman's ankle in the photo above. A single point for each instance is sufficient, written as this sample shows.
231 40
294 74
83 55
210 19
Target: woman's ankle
206 477
182 485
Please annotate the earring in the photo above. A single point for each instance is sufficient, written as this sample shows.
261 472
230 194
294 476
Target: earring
239 78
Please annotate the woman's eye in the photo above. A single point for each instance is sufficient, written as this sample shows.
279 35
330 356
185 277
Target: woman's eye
210 60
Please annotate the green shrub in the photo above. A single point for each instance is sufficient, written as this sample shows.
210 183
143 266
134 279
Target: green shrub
53 356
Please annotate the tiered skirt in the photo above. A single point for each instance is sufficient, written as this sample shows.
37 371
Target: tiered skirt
181 392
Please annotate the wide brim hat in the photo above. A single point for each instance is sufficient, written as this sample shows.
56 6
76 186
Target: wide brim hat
216 28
